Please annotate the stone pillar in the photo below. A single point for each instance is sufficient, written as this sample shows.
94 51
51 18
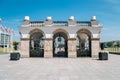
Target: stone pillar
48 48
24 48
95 47
72 48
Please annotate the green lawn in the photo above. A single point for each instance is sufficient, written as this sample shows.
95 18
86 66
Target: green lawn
3 50
113 50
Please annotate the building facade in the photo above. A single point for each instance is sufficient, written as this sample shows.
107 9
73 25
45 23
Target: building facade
4 40
60 38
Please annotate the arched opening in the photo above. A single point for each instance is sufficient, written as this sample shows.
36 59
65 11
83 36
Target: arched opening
60 48
36 44
83 46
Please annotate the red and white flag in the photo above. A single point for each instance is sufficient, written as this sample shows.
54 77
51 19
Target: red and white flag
2 28
7 30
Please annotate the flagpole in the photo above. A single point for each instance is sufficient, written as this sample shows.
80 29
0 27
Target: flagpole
0 36
12 40
9 35
8 43
0 31
4 40
5 33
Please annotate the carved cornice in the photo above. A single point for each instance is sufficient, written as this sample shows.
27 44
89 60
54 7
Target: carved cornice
95 39
48 39
24 39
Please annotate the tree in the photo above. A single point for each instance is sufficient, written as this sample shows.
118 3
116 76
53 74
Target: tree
15 45
118 44
109 44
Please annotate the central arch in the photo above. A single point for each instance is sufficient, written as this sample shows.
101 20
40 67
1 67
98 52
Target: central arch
60 41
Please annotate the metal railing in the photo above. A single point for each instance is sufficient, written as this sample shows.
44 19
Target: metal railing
59 23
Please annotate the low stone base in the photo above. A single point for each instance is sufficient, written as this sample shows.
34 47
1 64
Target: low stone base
95 56
48 56
72 56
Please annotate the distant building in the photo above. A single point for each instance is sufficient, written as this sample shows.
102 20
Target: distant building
51 38
4 40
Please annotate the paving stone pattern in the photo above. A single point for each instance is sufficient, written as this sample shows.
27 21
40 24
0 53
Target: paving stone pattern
60 68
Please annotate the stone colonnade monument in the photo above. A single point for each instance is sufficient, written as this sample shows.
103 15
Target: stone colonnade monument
51 38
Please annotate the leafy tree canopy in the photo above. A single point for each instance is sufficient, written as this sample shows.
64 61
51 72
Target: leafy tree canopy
15 43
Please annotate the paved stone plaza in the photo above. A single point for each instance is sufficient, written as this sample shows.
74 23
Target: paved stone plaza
59 68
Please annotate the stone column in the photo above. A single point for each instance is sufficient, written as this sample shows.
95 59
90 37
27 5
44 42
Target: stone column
48 48
95 47
72 48
24 48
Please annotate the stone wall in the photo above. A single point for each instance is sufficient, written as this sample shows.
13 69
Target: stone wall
95 47
24 48
72 48
48 48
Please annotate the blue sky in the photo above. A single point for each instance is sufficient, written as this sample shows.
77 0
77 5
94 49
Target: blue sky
12 13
